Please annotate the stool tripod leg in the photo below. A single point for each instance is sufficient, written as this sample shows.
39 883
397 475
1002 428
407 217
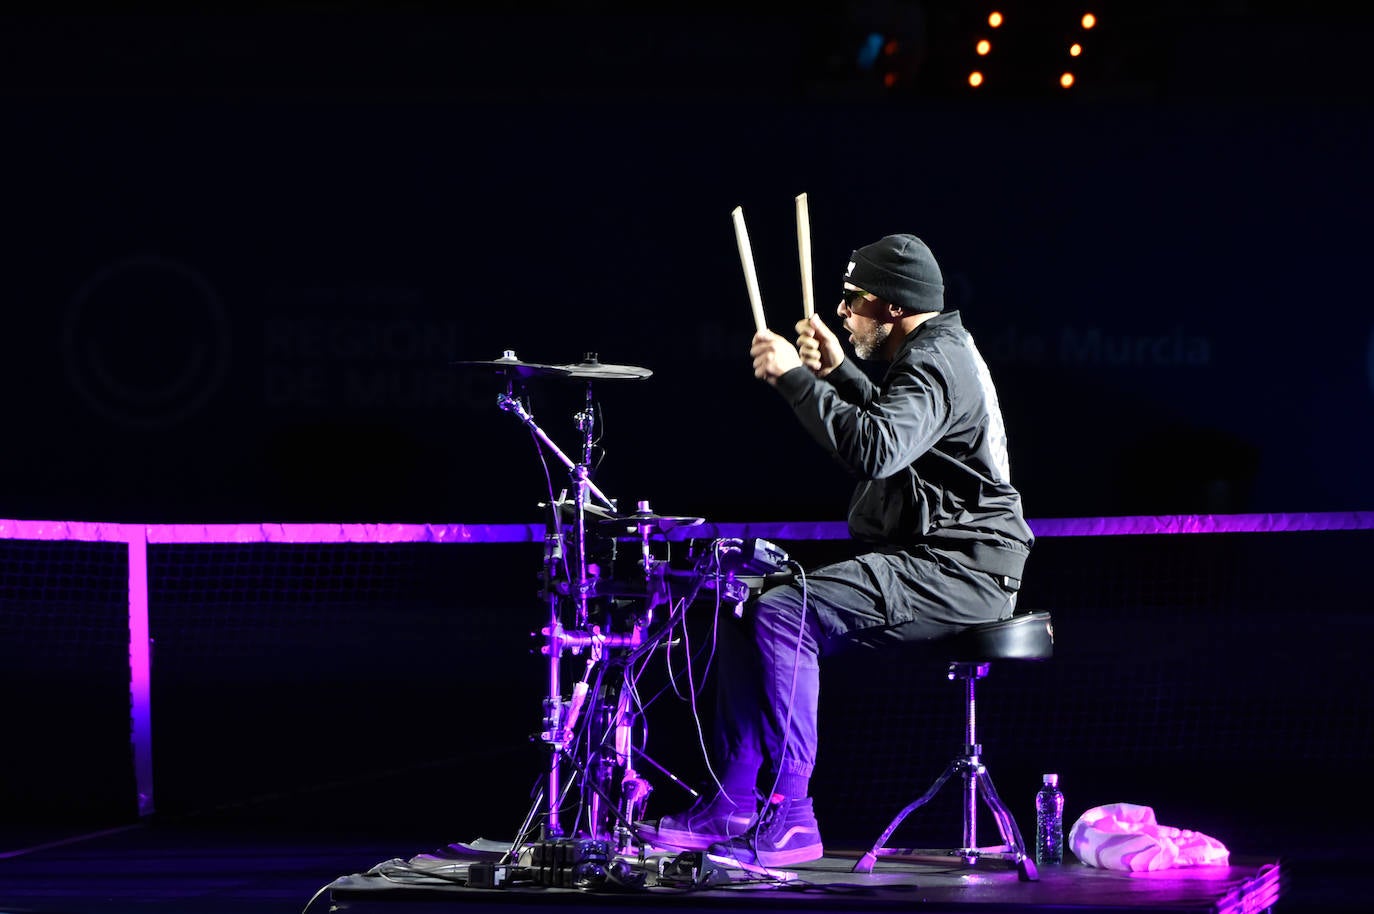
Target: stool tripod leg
973 777
865 863
1006 824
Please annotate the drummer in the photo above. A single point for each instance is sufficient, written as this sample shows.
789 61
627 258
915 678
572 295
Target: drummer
940 534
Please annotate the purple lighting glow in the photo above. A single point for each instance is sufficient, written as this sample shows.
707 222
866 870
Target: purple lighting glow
137 537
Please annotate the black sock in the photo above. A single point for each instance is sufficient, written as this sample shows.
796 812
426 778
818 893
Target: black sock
792 785
739 787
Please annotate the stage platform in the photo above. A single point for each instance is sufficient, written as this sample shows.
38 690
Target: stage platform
925 882
261 866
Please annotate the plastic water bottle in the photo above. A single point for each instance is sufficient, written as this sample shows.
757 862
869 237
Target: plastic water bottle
1049 822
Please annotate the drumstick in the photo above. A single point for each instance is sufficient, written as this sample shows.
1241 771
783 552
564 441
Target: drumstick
804 252
746 258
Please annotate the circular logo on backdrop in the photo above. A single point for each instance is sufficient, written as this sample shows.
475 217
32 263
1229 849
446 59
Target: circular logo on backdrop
146 342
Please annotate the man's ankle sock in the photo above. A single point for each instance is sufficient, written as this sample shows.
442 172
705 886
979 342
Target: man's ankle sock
739 787
792 785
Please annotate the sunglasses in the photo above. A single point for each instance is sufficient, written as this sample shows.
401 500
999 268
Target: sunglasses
852 296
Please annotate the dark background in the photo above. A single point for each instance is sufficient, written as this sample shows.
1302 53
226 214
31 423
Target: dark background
244 249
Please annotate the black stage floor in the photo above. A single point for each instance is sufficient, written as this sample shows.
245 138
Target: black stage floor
216 867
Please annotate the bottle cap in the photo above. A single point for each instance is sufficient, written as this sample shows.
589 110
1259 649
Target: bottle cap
1051 779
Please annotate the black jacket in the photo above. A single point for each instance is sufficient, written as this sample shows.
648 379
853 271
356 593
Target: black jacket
928 446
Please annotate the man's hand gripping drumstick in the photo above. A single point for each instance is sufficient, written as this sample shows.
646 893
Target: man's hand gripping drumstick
817 347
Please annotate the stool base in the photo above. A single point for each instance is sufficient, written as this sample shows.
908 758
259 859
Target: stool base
977 783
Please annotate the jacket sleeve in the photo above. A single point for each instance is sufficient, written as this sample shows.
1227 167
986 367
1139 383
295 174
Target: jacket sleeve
892 425
852 385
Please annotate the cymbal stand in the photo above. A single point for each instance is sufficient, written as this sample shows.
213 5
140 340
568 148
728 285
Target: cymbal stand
560 719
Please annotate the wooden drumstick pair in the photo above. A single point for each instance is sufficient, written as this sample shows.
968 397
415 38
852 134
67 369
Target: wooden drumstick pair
746 257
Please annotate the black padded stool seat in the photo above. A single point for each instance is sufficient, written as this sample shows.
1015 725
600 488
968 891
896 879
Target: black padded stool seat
1025 636
970 652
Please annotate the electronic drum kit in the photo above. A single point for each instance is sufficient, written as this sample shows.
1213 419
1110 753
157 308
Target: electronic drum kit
611 601
615 619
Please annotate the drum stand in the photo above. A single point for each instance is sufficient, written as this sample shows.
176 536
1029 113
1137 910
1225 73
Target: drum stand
601 752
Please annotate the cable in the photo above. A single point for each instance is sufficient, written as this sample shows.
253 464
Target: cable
555 506
791 695
796 663
316 897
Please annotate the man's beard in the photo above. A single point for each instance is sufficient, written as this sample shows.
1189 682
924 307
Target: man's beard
867 346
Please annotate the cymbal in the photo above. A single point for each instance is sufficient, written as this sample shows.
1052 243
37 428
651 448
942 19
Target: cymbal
508 364
591 369
634 523
590 510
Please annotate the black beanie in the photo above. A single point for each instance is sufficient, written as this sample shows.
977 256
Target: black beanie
899 269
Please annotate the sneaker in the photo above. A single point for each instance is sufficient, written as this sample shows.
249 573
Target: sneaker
785 834
707 822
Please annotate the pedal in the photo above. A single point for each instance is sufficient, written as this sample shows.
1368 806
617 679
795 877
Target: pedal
490 875
689 869
753 869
